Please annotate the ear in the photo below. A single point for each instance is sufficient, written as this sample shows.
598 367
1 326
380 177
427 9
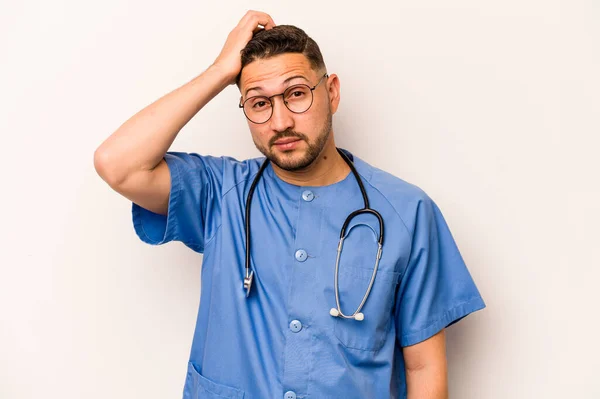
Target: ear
333 90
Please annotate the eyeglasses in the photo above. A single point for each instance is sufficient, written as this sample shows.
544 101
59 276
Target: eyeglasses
297 98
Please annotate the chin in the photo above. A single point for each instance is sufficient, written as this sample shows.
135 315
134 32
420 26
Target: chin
291 160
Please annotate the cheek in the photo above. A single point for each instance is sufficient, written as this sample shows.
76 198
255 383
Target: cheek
259 133
312 122
320 109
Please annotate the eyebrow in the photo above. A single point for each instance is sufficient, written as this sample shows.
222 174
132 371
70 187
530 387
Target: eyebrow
285 81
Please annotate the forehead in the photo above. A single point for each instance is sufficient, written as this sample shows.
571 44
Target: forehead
269 73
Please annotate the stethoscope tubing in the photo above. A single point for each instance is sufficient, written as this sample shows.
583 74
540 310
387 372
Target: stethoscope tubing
357 315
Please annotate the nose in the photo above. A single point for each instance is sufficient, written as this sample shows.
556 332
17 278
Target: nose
282 117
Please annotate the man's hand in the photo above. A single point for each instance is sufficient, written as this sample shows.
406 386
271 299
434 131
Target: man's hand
229 60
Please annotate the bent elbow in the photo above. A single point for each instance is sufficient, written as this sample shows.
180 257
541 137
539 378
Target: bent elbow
105 167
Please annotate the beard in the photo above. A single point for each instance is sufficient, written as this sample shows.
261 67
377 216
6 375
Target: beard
287 161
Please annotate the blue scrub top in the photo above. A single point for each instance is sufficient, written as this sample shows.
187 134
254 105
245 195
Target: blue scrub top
281 342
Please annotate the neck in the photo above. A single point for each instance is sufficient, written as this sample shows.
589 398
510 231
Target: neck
328 168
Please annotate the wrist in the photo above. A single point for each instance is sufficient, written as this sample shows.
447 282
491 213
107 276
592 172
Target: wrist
222 74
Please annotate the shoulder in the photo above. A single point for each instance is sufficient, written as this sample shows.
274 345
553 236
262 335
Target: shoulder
236 171
404 197
225 171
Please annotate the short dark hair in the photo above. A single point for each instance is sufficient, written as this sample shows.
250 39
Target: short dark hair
281 39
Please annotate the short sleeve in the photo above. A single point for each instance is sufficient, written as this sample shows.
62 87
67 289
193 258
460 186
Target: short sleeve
194 203
436 289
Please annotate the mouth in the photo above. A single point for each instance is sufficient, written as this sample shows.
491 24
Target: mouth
287 143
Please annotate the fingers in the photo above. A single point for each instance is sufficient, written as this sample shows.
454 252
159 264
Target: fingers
270 23
255 20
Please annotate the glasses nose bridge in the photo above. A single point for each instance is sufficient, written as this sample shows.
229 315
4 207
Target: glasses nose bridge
276 95
271 99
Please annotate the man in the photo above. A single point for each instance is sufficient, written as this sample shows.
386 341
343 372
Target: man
292 324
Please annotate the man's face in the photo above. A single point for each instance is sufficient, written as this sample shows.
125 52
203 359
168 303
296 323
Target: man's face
311 129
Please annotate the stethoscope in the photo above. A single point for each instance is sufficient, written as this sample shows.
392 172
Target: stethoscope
337 311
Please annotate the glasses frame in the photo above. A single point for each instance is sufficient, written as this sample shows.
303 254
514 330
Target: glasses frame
241 105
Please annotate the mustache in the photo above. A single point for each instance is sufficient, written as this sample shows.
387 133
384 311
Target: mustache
285 134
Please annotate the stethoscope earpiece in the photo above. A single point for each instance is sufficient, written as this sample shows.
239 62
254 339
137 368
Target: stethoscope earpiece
336 313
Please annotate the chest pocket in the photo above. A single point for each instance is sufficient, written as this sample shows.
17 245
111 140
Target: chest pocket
370 333
355 270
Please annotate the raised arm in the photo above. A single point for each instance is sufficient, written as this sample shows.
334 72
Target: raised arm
131 160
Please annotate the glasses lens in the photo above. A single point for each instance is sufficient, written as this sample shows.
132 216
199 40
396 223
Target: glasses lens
258 109
298 98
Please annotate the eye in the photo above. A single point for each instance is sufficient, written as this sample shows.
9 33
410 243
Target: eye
259 104
296 93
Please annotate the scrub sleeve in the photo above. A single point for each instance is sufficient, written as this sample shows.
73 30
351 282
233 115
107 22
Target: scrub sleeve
195 194
436 289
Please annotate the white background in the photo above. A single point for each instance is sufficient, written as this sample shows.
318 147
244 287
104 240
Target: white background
492 107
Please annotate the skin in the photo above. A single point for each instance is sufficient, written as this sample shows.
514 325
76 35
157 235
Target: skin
427 368
314 160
